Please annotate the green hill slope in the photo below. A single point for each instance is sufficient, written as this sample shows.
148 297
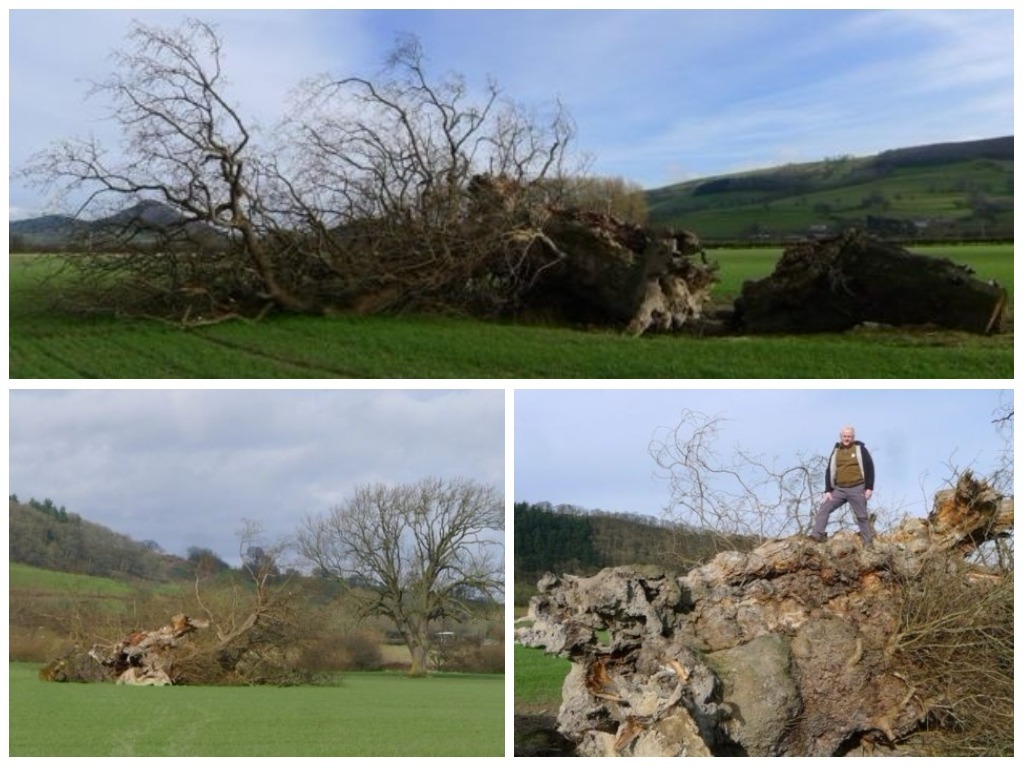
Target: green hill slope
940 191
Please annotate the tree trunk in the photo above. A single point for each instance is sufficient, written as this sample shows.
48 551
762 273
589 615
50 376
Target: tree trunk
141 658
418 664
417 641
618 274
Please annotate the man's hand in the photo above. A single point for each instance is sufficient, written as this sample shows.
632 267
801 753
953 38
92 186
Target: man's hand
867 494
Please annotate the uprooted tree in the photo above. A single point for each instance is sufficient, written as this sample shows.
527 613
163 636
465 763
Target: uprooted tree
404 191
409 191
796 648
247 632
839 283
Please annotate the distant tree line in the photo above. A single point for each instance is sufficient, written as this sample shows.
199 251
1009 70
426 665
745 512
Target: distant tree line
569 539
45 535
774 183
549 541
936 154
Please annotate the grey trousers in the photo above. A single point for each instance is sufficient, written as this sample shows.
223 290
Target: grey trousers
854 496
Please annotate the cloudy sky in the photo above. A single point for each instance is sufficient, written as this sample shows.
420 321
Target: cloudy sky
659 96
187 467
590 447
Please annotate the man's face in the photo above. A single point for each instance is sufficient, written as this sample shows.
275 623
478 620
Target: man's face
846 437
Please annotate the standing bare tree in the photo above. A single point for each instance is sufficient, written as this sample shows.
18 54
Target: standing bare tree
413 553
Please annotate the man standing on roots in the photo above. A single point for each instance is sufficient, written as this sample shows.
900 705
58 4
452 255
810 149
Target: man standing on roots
849 479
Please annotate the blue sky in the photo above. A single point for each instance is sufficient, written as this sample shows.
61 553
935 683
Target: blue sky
659 96
589 447
186 467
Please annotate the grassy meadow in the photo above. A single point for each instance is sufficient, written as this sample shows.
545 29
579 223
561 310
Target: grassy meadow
365 714
538 679
41 580
46 344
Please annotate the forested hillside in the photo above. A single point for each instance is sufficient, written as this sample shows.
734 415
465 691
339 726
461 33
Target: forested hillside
569 539
45 535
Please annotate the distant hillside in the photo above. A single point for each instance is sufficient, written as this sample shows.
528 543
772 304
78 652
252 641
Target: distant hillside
567 539
936 191
139 224
43 535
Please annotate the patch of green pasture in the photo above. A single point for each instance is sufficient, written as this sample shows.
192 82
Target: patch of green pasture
538 678
31 578
437 348
737 265
27 577
367 714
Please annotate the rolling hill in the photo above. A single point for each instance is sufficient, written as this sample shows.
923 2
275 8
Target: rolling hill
139 224
45 536
934 192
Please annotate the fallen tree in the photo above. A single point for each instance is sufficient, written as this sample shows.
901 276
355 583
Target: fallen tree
255 635
615 274
261 648
839 283
795 648
141 658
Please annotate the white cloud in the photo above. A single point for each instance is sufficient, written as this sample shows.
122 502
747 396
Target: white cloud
185 467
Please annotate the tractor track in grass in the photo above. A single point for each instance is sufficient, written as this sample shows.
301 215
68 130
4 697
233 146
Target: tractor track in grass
314 371
38 355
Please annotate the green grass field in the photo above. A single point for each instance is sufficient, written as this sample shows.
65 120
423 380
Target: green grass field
538 679
41 580
45 344
367 714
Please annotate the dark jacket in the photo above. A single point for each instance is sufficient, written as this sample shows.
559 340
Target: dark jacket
867 467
